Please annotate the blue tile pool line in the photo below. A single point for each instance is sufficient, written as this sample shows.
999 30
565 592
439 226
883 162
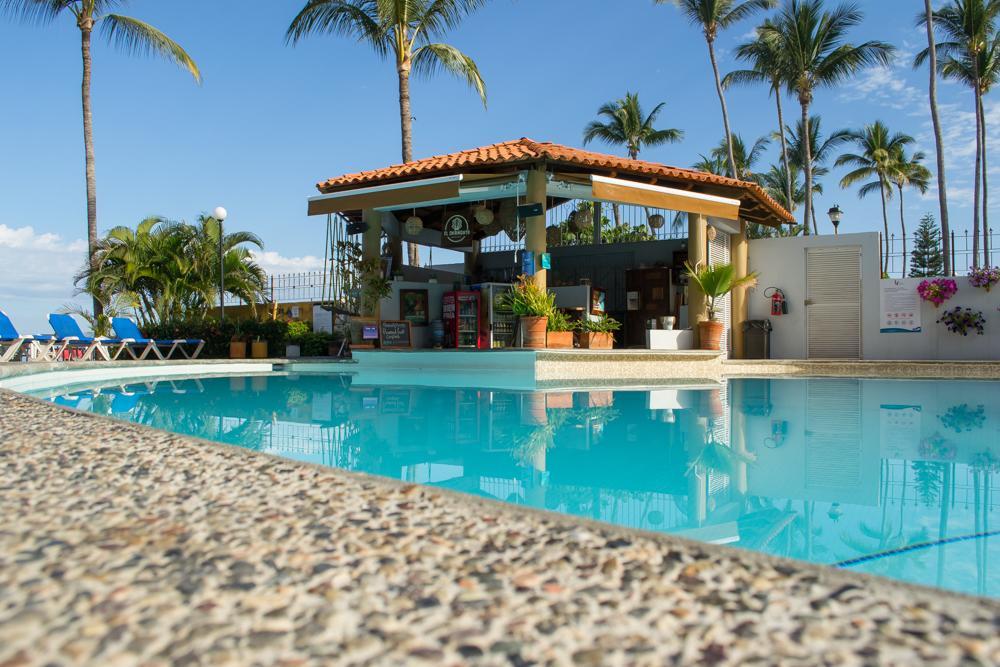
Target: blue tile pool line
917 547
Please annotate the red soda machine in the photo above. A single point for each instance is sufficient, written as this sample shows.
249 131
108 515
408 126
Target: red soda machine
460 312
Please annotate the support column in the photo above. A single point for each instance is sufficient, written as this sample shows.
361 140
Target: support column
698 258
371 246
738 245
534 239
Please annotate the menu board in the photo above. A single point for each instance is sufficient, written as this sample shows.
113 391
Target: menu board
395 334
900 307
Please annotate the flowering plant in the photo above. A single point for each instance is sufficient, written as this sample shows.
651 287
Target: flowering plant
963 320
985 277
937 291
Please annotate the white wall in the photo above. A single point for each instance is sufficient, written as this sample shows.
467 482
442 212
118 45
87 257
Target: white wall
935 341
782 263
435 293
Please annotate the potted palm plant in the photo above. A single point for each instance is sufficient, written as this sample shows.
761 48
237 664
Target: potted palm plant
715 283
532 305
560 331
598 334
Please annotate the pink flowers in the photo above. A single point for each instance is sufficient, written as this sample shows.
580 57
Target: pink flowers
985 277
937 291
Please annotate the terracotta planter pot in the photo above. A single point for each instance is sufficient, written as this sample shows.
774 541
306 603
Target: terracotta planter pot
710 334
238 349
560 340
533 410
596 341
258 349
533 331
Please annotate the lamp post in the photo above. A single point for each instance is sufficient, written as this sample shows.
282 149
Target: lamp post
220 215
836 215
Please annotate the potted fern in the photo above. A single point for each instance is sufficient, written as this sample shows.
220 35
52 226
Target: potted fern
598 334
715 283
560 331
532 305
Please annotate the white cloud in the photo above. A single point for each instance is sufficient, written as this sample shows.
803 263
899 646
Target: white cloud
27 238
885 86
273 262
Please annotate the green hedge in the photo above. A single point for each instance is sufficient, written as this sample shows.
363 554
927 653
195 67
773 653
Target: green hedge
278 334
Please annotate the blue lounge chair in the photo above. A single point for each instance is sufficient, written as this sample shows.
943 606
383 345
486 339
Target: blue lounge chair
16 346
126 329
69 336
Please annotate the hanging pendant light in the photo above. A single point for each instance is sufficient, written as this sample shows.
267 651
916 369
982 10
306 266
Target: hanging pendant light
656 221
414 225
483 215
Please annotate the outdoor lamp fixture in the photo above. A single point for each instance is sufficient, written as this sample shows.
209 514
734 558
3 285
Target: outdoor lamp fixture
413 225
483 215
220 214
836 215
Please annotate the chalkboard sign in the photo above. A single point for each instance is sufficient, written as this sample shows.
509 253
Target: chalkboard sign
395 334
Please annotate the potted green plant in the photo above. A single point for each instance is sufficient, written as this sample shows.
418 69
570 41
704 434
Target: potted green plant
532 305
560 331
598 334
238 343
715 283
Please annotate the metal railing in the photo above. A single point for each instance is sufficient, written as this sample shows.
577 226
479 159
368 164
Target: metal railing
961 252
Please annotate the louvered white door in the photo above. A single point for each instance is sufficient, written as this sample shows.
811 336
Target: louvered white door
833 303
718 253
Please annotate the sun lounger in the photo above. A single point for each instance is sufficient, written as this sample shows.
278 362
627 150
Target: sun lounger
70 337
126 329
18 346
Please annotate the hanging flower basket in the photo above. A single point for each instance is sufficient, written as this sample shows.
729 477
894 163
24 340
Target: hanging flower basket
938 290
963 320
985 277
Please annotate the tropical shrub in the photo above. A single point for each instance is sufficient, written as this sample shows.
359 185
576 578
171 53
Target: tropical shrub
559 321
526 299
605 324
963 320
716 282
938 290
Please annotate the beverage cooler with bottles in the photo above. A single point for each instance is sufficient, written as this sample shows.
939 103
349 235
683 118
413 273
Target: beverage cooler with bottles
498 325
460 312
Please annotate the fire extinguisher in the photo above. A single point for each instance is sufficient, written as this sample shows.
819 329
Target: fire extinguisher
779 305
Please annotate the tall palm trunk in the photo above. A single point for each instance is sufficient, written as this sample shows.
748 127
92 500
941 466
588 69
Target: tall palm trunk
807 165
938 141
784 147
406 135
902 227
725 110
977 190
86 24
885 222
986 182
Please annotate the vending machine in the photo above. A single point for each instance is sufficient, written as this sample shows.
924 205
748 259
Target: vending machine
498 325
460 312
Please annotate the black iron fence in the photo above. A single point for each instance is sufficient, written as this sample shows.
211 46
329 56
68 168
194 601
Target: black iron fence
900 250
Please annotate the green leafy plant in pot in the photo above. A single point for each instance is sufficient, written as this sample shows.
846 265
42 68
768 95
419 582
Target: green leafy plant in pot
532 305
598 334
715 283
560 331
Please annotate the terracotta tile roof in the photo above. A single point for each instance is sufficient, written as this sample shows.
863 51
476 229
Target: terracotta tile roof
525 150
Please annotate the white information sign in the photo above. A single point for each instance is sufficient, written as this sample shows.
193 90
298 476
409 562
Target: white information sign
900 307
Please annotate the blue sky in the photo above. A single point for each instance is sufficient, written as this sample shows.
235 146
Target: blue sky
270 120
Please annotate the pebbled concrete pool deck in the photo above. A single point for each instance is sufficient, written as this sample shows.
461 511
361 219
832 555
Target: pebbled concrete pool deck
122 545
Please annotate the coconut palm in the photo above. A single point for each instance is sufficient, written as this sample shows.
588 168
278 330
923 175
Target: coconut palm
874 165
625 123
746 158
968 27
931 54
819 150
817 54
908 171
127 34
767 66
713 16
402 29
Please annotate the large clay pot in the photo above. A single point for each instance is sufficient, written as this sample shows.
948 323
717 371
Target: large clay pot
238 349
710 334
258 349
533 332
596 341
560 340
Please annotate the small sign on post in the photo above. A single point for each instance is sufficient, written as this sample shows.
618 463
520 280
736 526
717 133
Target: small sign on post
546 260
356 228
528 262
530 210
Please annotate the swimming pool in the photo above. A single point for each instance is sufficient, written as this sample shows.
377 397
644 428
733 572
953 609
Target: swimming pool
890 477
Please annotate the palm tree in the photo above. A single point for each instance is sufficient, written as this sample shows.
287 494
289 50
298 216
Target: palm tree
909 171
128 34
879 150
713 16
814 44
626 124
403 29
766 66
746 158
968 27
819 150
928 19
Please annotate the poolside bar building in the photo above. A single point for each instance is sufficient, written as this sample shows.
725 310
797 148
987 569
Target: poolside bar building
536 208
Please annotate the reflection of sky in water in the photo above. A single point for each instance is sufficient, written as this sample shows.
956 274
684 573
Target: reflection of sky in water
820 470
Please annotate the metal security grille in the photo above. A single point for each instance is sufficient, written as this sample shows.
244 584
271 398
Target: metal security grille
833 303
718 253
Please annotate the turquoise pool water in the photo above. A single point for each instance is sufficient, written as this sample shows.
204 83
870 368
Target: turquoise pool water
896 478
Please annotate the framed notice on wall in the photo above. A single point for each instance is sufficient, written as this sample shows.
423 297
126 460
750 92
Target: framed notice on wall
899 307
413 306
